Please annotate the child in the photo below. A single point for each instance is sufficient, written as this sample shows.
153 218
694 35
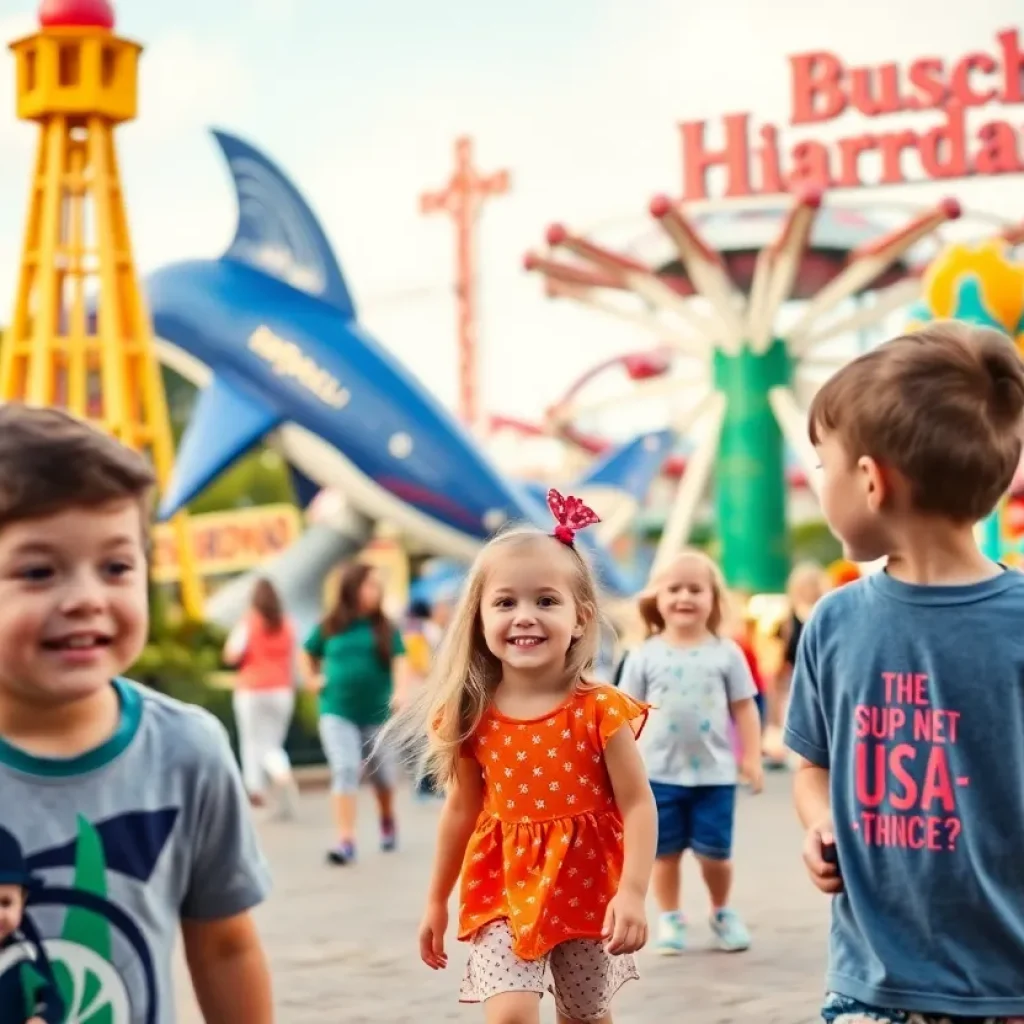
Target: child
548 818
697 680
125 806
907 708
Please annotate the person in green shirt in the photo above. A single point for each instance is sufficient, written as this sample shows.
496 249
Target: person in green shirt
354 658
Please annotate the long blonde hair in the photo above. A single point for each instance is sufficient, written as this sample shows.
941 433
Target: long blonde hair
647 601
447 710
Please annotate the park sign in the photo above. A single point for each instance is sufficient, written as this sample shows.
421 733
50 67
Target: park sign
918 126
224 543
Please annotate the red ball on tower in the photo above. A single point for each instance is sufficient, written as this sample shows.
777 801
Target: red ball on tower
76 14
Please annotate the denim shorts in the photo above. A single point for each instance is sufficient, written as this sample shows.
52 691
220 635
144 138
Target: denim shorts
697 818
844 1010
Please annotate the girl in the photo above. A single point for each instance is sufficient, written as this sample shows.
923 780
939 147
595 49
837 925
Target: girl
548 816
262 646
354 658
697 680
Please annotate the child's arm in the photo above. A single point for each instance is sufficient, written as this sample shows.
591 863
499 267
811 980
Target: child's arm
458 820
748 726
227 879
626 921
229 970
814 809
807 735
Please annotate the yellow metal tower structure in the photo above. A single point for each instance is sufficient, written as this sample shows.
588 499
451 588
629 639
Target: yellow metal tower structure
80 337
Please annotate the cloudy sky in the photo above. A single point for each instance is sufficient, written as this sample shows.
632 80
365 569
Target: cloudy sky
360 101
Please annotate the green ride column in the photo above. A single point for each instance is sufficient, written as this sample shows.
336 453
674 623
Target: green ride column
749 476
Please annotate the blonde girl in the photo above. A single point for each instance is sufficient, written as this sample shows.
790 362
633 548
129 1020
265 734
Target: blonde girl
697 679
548 817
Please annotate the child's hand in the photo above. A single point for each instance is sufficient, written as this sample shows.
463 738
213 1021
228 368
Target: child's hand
753 771
817 843
432 929
625 923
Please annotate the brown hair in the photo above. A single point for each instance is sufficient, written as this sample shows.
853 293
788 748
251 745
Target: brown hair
50 462
267 603
647 602
347 611
943 406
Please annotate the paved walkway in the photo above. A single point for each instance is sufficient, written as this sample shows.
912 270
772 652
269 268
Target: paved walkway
342 941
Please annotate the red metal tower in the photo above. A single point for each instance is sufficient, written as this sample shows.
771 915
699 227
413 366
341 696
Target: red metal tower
462 198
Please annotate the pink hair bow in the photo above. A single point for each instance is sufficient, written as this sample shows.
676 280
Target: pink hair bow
570 514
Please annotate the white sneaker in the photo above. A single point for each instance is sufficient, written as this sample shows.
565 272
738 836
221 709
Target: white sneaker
287 799
671 934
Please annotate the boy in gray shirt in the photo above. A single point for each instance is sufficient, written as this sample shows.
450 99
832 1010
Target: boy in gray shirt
122 814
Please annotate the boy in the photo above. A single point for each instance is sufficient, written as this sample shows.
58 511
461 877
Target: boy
907 709
125 807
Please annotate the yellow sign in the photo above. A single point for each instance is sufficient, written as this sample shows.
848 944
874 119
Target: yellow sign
288 360
228 542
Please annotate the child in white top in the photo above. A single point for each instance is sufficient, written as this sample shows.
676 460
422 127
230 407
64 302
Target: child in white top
697 680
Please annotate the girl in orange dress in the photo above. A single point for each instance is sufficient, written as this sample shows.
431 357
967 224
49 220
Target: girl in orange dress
549 818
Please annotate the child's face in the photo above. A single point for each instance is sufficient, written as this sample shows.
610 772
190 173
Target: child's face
527 609
852 495
686 595
12 905
73 603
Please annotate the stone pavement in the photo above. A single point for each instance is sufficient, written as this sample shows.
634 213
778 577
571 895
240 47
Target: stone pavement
342 941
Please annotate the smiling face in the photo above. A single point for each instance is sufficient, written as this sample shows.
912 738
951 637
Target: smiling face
686 597
12 906
528 612
73 603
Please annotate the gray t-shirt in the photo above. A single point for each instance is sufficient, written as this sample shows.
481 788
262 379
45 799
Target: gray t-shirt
687 742
121 844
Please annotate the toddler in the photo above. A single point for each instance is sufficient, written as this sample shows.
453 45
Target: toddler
698 681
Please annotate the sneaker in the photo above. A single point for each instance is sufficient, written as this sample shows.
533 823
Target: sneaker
342 854
730 931
287 794
671 934
388 836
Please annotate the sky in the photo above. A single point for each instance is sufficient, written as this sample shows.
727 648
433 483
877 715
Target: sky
360 101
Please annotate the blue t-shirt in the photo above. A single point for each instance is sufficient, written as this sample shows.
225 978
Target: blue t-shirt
913 697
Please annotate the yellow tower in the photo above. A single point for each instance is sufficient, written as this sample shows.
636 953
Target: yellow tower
80 337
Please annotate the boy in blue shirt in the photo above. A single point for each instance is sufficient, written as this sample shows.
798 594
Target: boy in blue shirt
124 820
907 706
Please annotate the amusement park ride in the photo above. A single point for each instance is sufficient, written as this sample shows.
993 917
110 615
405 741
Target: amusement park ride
748 408
269 334
80 336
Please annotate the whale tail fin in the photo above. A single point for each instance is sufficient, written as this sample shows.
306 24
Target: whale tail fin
278 234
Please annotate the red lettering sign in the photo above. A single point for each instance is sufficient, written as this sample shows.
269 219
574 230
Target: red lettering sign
748 160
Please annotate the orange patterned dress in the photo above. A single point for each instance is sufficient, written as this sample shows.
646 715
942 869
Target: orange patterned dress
547 850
